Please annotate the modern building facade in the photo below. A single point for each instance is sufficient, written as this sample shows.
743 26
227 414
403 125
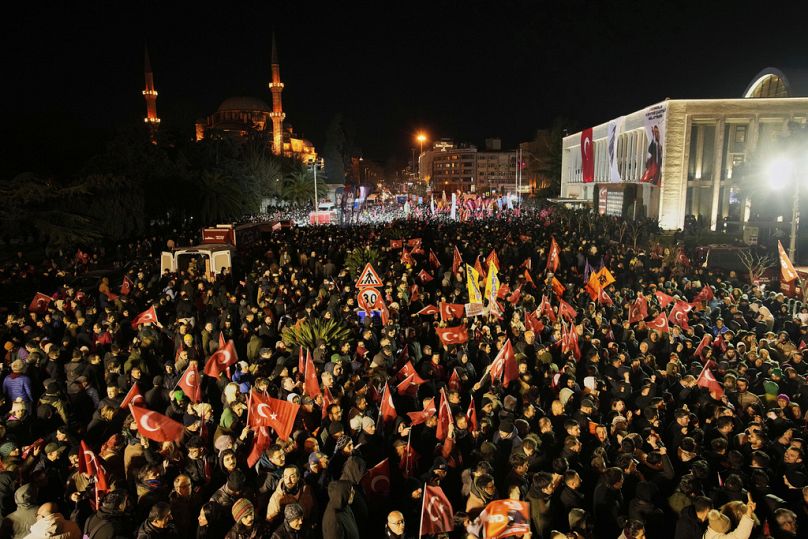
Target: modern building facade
676 158
464 168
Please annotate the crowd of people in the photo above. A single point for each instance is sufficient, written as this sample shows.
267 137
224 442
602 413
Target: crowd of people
668 402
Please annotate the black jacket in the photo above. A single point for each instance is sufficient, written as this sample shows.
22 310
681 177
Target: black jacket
688 526
338 520
108 525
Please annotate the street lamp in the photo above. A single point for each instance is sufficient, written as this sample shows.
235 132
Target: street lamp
781 172
421 138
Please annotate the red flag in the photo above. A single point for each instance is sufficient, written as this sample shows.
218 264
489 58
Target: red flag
409 386
387 411
133 397
638 310
705 294
406 258
301 361
558 288
328 400
311 386
191 383
505 518
471 415
436 513
376 481
566 310
527 264
396 244
678 314
545 309
266 411
433 259
428 310
604 298
504 365
126 286
533 322
479 268
706 379
39 304
457 260
449 311
663 299
587 156
492 259
454 381
90 464
553 257
409 370
156 427
787 271
414 294
220 361
453 335
660 323
444 417
425 277
705 342
261 442
529 279
569 341
149 316
421 416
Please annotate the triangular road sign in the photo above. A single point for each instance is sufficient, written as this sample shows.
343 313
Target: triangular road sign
369 277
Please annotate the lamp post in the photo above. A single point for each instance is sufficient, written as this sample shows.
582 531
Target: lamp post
421 138
316 199
781 172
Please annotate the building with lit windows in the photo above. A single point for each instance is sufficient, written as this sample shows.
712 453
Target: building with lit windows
464 168
676 158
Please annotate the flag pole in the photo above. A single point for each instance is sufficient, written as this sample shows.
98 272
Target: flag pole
409 436
421 523
249 406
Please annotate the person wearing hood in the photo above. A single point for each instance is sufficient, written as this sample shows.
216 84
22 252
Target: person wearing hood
644 509
481 492
692 518
51 524
17 524
339 521
111 521
293 520
353 471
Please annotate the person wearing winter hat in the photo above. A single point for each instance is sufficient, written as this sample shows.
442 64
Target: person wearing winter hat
17 385
718 524
244 515
292 527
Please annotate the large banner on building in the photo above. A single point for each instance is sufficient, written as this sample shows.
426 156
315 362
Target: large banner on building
613 130
587 156
655 133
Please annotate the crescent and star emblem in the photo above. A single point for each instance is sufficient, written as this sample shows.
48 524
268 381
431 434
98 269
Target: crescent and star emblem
383 478
587 142
145 423
440 508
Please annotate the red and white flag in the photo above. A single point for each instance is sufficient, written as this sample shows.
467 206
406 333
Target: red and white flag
678 314
328 400
529 279
428 310
705 294
387 410
566 310
638 310
449 311
311 386
457 260
156 427
569 341
787 271
504 366
126 286
90 464
425 277
376 480
436 513
505 518
301 362
492 259
471 415
409 386
527 264
444 417
406 257
704 343
454 381
587 156
660 323
191 383
553 257
265 411
220 361
533 323
149 316
39 304
433 260
429 410
133 397
545 309
414 293
663 299
707 380
261 442
453 335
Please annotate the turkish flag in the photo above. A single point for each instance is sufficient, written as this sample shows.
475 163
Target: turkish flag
406 258
558 288
425 277
527 264
265 411
705 342
261 442
39 304
414 242
396 244
504 366
301 362
433 259
156 427
663 299
453 335
421 416
471 415
587 156
220 361
328 400
660 323
90 464
454 381
429 309
191 383
566 310
505 518
787 271
707 380
149 316
409 386
437 515
414 294
604 298
638 310
569 341
449 311
529 279
545 309
492 259
705 294
678 314
126 286
457 260
533 322
444 417
133 397
376 480
553 257
387 410
311 386
407 370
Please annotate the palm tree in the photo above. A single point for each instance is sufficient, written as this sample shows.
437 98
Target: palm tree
267 172
298 188
220 197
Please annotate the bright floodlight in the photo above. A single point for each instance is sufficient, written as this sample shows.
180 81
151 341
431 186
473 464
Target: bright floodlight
421 138
779 172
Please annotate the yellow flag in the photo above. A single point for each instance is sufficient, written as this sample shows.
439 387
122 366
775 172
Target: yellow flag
604 277
473 285
492 283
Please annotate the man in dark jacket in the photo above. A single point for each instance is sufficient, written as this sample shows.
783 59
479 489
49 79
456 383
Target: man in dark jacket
292 527
111 521
338 520
158 525
608 502
692 518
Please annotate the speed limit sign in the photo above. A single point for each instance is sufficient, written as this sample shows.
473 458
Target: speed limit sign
368 298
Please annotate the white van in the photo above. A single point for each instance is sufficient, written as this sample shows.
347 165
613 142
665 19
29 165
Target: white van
208 259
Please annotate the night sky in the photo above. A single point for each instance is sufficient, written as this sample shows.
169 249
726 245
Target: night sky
467 70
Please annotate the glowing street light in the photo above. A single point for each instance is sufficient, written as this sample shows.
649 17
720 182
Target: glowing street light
780 174
421 138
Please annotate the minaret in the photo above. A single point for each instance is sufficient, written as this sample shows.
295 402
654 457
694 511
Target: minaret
150 94
277 115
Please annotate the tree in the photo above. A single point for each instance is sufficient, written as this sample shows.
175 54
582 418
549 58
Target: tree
220 199
268 172
755 264
298 188
339 149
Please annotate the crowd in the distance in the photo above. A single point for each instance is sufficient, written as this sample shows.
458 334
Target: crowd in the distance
609 429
